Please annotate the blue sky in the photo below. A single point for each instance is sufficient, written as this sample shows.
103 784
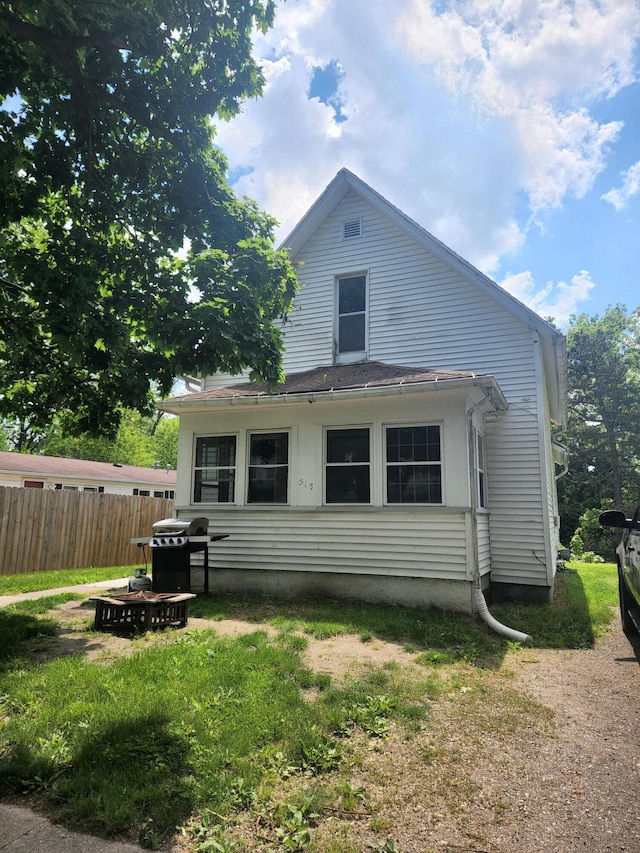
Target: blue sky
509 129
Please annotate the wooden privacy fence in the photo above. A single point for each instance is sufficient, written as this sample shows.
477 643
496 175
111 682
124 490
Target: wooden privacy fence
42 529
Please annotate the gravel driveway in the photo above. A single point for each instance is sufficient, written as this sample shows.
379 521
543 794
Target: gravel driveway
581 790
570 785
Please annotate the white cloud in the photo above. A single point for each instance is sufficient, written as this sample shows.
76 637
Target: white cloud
472 116
532 64
630 187
558 301
407 139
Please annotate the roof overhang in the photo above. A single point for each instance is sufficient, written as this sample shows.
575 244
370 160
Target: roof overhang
487 386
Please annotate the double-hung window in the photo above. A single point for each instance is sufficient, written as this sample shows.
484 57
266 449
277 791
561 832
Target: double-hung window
481 469
215 469
351 331
268 467
348 466
413 465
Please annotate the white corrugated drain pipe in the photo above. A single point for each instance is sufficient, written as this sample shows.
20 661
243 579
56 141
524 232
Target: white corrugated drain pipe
498 627
479 601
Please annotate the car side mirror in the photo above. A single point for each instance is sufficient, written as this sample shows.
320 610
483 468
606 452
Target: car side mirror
614 518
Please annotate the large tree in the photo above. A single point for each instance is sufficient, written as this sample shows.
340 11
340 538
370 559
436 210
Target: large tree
603 431
125 257
140 440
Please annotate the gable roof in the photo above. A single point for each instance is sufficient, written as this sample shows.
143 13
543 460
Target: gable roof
355 380
553 341
29 464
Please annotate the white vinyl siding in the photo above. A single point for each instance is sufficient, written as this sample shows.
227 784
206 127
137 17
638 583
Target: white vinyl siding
484 544
410 543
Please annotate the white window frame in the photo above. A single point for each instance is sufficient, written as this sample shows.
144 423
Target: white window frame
480 450
431 464
274 431
234 468
353 356
370 465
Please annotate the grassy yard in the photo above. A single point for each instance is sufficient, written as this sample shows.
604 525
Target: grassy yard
209 734
34 581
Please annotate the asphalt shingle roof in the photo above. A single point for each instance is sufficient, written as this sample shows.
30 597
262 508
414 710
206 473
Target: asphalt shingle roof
370 374
29 463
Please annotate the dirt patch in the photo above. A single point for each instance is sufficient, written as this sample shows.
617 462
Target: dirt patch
540 756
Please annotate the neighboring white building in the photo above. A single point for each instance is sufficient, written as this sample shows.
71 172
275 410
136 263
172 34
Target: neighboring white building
56 472
408 457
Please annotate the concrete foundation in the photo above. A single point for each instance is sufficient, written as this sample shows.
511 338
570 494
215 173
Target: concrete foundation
378 589
515 593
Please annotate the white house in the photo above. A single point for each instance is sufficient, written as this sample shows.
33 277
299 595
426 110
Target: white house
408 456
31 471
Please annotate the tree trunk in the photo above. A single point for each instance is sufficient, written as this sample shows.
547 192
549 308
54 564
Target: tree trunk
616 478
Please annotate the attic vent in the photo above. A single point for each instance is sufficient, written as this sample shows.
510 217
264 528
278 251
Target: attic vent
353 228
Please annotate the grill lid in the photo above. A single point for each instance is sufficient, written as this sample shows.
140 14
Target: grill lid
181 526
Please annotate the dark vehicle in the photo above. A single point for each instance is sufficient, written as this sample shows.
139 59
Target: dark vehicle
628 552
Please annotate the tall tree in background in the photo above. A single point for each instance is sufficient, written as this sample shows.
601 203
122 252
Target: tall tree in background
140 440
125 258
603 431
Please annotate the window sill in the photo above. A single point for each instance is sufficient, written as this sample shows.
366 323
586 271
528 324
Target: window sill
327 508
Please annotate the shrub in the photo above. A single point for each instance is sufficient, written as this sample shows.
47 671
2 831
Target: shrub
577 545
591 536
590 557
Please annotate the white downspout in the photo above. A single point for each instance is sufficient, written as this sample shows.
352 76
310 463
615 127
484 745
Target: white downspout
498 627
479 602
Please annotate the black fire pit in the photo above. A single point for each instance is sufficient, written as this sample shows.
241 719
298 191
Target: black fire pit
142 611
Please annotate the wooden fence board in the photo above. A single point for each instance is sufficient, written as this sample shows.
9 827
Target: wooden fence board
43 529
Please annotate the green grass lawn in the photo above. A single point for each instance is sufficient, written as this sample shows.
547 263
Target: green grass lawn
204 726
35 581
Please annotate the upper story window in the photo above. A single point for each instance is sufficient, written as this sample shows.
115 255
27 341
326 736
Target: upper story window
268 467
348 468
414 468
215 469
351 320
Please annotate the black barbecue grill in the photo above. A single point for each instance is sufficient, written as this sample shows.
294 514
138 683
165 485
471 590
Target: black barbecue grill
173 542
